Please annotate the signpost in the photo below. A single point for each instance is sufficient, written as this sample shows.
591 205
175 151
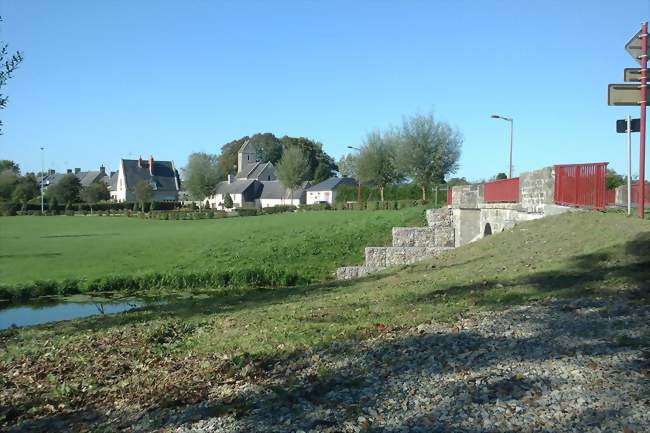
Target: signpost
635 94
632 74
628 126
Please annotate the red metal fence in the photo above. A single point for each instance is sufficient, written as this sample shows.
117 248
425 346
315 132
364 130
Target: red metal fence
449 195
581 185
501 191
635 193
610 196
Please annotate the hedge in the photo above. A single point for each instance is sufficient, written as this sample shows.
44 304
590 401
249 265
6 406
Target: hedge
235 279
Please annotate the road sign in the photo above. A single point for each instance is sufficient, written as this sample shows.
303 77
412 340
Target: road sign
621 125
634 46
632 74
624 94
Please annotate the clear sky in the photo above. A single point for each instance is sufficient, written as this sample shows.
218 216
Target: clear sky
104 80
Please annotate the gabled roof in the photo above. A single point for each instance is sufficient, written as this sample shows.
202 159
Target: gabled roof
257 171
248 168
332 183
244 146
165 176
236 187
88 177
273 189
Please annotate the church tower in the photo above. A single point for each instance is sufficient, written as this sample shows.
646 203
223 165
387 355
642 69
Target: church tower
246 155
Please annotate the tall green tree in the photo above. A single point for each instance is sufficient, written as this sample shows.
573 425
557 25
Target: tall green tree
8 64
8 165
267 146
614 179
66 190
293 168
202 173
347 165
26 189
428 150
376 161
8 180
143 193
94 193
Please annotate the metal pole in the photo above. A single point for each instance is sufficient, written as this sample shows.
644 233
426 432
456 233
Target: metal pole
42 176
510 173
629 165
644 65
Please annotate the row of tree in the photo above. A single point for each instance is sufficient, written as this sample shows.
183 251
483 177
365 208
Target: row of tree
21 189
421 150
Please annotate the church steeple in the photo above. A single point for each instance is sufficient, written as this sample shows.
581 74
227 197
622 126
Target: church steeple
246 155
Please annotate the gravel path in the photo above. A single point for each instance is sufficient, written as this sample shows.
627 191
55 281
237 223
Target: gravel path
551 367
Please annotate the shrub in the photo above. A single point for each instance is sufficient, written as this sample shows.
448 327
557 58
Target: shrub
246 212
278 209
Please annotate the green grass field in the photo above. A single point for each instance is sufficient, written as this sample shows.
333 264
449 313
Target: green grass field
312 243
181 347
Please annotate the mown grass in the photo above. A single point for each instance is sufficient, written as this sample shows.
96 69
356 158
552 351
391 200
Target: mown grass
184 344
309 244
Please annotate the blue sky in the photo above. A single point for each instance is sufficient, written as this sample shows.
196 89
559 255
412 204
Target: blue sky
116 79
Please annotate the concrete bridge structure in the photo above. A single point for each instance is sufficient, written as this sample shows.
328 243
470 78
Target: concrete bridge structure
471 215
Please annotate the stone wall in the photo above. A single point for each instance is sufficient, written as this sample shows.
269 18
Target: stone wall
537 189
467 196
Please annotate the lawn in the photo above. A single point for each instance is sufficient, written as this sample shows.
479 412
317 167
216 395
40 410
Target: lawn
311 243
171 354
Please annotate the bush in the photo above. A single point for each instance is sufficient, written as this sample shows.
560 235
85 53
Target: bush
8 209
278 209
246 212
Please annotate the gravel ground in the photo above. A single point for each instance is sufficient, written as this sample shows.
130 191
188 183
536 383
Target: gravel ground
554 366
551 367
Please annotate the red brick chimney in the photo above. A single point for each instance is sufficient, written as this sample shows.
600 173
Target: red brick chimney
151 165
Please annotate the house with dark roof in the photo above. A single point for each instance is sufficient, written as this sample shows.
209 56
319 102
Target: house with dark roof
161 175
85 177
255 184
325 192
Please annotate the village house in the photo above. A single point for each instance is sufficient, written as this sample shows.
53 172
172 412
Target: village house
85 177
161 175
325 192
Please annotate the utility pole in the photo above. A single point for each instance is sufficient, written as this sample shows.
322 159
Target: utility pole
42 176
629 165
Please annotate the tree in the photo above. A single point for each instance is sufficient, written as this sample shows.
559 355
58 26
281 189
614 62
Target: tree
8 180
8 64
376 161
227 201
26 189
322 172
6 164
501 176
95 192
614 179
428 150
143 193
347 165
66 190
202 174
268 147
293 168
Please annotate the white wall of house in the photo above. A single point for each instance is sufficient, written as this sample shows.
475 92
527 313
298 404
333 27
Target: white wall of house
315 197
216 201
120 192
270 202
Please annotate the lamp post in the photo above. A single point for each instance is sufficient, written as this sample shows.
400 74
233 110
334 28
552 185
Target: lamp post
358 180
42 176
507 119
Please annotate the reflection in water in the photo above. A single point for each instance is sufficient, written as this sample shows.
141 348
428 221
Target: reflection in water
51 310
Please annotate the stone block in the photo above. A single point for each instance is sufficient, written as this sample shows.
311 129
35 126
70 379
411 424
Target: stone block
376 257
413 237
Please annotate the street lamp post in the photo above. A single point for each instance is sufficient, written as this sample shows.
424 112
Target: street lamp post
358 180
511 120
42 176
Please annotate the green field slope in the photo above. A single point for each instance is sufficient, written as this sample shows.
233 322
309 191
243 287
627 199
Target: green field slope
311 243
180 347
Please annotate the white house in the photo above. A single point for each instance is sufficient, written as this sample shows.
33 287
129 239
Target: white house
325 192
161 175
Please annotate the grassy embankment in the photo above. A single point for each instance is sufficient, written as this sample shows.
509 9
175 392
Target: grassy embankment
62 255
171 354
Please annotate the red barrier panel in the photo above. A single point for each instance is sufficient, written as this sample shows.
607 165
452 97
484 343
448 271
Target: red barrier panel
635 193
449 195
581 185
501 191
610 196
